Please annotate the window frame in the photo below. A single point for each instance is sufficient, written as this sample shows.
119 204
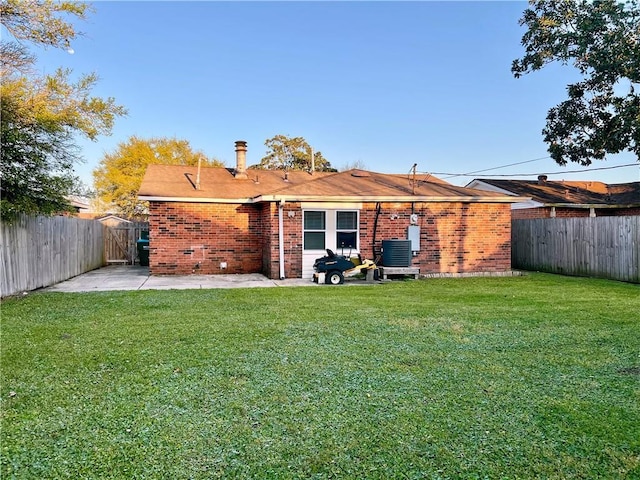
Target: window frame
314 230
331 229
355 231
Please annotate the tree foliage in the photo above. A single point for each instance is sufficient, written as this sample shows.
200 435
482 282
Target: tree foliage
286 153
602 40
42 21
42 115
118 177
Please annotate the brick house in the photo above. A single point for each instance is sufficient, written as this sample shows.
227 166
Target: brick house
549 199
225 220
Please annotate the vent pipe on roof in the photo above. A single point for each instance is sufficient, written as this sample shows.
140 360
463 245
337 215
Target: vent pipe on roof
198 175
542 179
241 159
313 162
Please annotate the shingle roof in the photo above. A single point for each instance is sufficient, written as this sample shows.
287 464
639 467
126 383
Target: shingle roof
355 183
625 193
571 192
177 183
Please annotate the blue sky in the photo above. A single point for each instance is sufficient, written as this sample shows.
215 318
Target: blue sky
386 84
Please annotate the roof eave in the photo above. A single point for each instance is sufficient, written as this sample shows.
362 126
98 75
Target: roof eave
338 199
156 198
592 205
388 199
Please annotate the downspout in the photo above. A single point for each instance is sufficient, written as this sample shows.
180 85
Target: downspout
375 231
281 238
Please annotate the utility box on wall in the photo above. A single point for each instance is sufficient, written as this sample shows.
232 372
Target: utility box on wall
413 234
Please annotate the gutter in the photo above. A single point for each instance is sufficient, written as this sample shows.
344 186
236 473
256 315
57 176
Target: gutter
151 198
388 199
340 199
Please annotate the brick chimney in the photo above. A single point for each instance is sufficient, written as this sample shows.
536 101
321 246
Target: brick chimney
241 159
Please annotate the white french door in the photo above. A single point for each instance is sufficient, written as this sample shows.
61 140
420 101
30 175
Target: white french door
334 229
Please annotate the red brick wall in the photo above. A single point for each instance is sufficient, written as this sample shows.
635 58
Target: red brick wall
545 212
572 212
270 255
620 212
454 237
528 213
187 238
194 238
292 227
293 239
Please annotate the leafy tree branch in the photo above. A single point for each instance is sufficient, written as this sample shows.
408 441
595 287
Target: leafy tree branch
42 115
601 39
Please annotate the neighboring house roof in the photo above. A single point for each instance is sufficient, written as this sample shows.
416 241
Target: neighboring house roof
112 218
82 204
625 193
89 208
178 183
566 193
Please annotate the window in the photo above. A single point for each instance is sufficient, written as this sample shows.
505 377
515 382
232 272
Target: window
334 229
346 229
314 230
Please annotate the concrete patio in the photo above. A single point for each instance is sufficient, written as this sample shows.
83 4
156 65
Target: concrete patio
135 277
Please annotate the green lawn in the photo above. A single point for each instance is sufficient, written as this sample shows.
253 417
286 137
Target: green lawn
521 377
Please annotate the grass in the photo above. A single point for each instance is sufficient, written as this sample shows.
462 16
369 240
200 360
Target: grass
523 377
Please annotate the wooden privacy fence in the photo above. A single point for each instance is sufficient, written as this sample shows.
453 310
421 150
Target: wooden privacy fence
40 251
121 242
606 247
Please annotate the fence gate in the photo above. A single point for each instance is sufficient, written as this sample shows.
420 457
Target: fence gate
121 242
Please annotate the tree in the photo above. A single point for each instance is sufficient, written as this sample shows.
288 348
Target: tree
118 177
354 165
601 38
286 153
36 164
42 21
41 115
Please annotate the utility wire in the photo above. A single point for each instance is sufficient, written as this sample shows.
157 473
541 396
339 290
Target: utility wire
498 168
537 173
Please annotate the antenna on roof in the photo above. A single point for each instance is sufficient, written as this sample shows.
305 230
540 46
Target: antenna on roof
413 180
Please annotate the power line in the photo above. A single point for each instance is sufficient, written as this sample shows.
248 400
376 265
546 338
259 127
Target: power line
537 173
498 168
